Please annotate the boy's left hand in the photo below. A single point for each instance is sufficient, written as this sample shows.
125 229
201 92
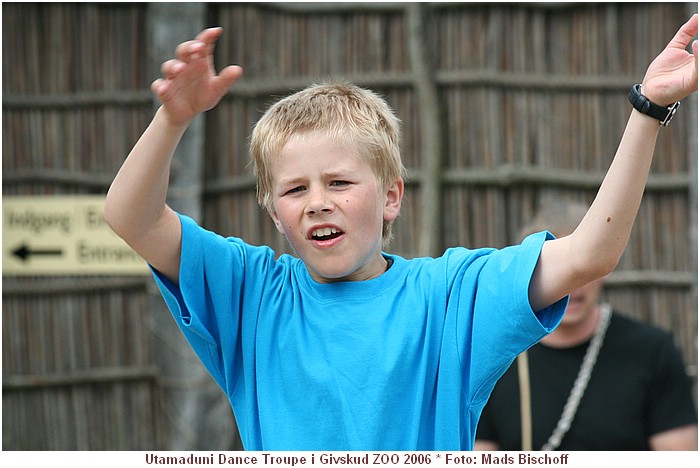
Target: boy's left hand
673 75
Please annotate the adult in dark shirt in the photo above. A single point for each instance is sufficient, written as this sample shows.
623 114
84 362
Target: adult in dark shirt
632 393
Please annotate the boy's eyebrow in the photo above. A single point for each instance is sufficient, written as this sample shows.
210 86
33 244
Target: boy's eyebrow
338 173
343 173
290 180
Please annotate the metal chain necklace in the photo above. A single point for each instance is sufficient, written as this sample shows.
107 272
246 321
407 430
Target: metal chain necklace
584 375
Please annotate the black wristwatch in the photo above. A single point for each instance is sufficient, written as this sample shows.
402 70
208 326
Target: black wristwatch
645 106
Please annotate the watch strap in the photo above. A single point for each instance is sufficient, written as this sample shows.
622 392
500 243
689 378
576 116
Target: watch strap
663 114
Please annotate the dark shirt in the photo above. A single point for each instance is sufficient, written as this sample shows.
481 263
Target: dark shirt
638 388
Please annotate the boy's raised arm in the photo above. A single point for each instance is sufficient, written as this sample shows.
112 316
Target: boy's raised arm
135 207
596 246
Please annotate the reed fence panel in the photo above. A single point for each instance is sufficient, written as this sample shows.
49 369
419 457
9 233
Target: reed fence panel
78 363
529 103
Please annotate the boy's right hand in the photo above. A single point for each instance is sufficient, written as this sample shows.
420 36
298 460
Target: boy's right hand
190 84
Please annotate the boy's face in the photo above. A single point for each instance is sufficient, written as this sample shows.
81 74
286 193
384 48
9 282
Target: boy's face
329 205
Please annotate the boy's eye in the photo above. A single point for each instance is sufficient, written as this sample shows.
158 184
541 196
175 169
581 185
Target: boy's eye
339 183
295 190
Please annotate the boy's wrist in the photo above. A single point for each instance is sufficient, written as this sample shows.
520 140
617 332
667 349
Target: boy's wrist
643 104
168 119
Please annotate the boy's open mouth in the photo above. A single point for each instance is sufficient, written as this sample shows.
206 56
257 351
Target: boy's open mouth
325 233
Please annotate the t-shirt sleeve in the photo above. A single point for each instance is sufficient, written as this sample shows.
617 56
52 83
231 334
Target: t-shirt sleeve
504 323
208 302
503 298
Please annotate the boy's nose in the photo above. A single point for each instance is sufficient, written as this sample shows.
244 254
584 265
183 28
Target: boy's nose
318 202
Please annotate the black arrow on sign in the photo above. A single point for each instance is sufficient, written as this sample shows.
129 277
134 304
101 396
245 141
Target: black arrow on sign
23 252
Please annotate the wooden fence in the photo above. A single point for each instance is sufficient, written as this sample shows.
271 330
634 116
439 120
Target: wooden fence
504 107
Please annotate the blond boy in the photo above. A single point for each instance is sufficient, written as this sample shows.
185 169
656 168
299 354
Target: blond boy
344 346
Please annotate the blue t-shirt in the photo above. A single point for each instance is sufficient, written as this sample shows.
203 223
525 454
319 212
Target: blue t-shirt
404 361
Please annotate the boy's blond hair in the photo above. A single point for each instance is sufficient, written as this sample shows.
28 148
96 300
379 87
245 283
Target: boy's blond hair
344 111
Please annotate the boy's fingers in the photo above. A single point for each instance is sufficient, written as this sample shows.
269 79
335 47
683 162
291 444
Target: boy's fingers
198 47
210 34
232 72
209 37
685 34
170 68
159 87
228 76
190 50
156 84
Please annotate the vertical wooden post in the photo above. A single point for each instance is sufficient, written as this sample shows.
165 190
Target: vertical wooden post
187 392
431 122
169 24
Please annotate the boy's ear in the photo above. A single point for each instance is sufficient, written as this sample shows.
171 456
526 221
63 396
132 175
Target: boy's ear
276 220
392 205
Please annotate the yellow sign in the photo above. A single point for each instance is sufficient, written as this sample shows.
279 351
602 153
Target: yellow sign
62 235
